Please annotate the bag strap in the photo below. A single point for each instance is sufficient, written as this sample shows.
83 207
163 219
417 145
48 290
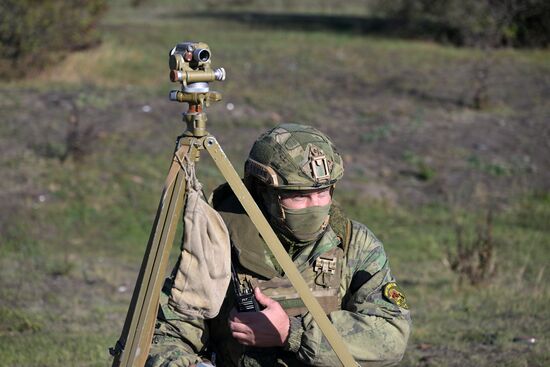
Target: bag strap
341 225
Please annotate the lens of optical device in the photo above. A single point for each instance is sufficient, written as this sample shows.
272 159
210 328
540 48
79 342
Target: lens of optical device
201 54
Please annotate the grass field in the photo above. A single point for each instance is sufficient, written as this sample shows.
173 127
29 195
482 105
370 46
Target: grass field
86 143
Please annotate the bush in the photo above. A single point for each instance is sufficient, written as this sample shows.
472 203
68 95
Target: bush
474 258
35 33
481 23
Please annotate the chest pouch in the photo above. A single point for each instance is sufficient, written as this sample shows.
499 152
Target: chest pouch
323 278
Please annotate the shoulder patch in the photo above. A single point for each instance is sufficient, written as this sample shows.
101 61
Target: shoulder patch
395 296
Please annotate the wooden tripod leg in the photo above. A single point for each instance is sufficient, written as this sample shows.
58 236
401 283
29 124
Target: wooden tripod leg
133 346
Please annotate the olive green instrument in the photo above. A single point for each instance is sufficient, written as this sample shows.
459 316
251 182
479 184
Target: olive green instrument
190 65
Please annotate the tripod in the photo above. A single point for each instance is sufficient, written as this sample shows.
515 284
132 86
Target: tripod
190 66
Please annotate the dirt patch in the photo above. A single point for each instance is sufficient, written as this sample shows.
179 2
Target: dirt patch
407 153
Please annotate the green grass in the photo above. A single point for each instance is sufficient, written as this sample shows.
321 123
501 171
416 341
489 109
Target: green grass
477 325
75 349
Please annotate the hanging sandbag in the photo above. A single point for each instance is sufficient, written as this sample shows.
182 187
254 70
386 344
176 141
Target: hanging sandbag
204 268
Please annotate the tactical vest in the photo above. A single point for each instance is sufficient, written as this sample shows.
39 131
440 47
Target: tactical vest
322 275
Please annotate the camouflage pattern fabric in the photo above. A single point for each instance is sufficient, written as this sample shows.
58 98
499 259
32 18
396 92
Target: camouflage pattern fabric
374 327
176 336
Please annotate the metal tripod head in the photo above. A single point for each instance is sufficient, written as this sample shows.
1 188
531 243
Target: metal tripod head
190 65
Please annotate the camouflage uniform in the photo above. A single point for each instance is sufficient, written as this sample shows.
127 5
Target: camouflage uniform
348 272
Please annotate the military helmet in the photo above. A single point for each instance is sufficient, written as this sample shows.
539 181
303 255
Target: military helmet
294 157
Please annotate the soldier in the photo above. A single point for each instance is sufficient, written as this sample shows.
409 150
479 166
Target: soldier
291 172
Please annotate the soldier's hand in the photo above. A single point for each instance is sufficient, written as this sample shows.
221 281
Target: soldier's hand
268 328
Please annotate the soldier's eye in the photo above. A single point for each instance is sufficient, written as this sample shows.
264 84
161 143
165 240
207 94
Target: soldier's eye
293 195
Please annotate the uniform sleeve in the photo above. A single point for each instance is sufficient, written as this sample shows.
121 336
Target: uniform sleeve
375 327
178 339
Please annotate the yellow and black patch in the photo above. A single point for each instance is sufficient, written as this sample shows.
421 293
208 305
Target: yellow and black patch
395 296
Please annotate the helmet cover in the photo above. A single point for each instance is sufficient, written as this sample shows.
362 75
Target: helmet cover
294 157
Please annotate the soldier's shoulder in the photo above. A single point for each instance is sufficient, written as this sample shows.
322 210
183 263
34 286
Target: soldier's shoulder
362 237
366 251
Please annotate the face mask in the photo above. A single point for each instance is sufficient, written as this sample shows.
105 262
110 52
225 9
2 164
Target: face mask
306 224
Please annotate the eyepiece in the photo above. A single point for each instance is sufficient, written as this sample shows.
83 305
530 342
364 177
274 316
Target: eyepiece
201 55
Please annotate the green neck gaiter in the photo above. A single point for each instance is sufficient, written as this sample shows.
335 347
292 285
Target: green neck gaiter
306 224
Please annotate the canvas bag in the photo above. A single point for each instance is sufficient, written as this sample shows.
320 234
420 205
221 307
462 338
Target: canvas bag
204 267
